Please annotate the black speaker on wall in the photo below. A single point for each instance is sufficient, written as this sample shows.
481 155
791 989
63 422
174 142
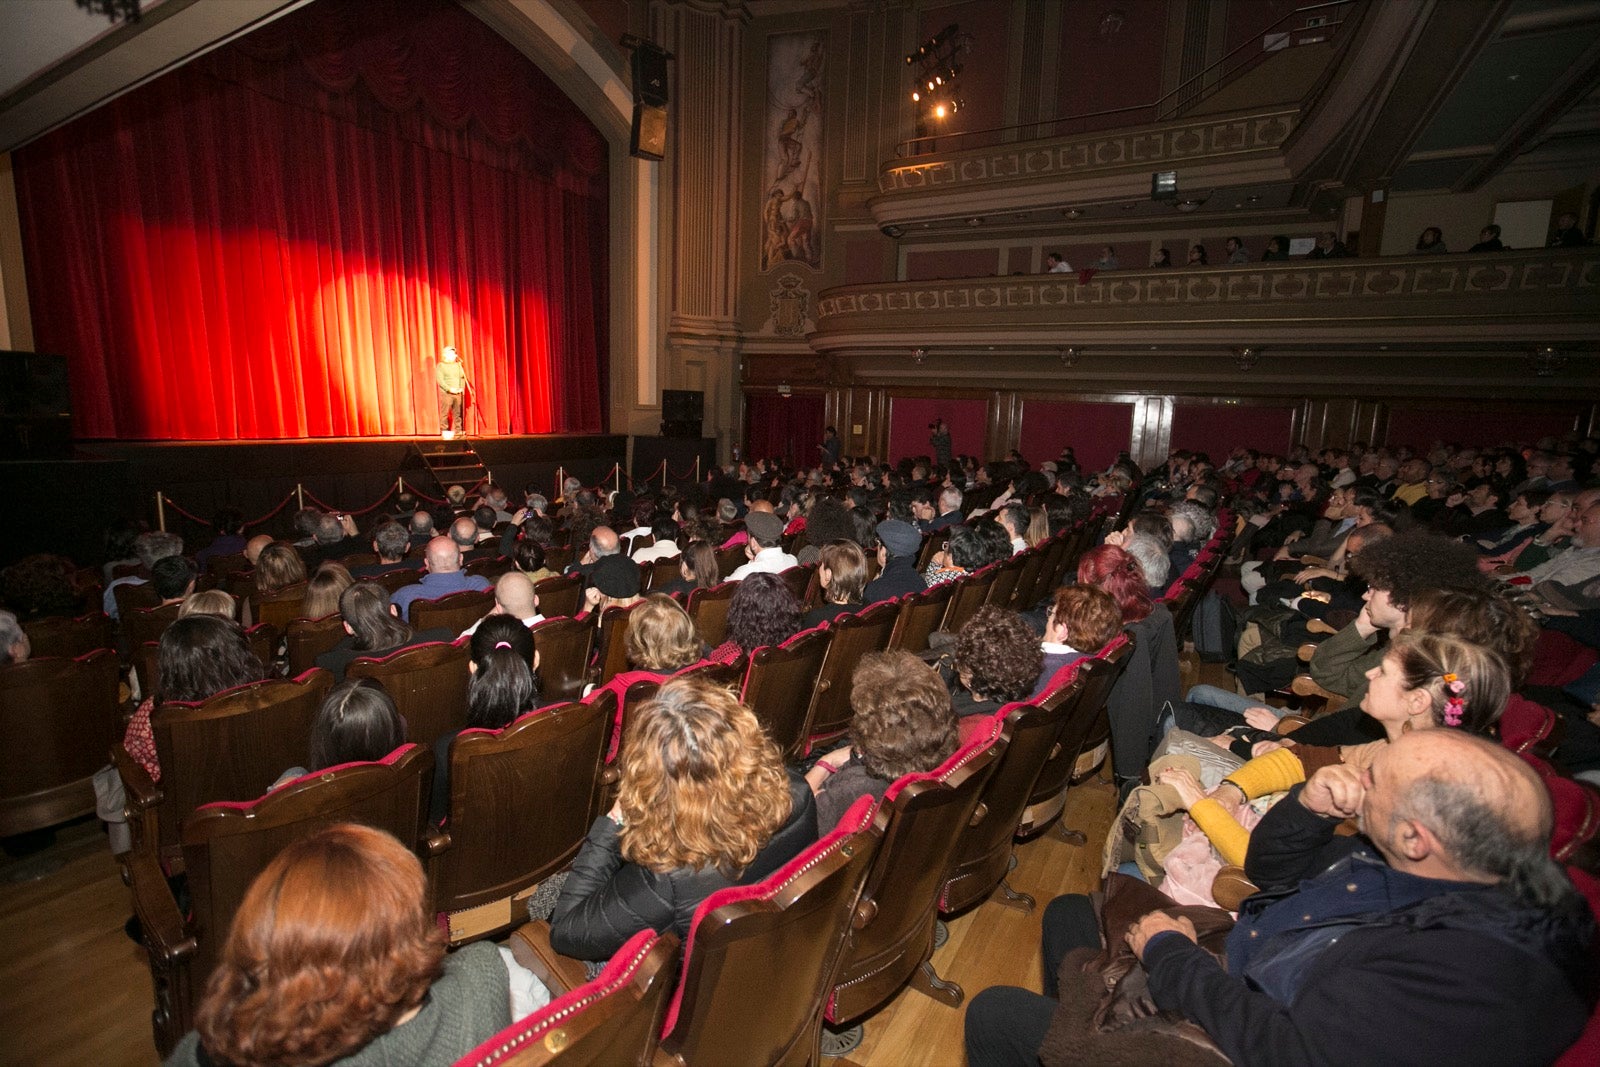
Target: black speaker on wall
682 412
650 74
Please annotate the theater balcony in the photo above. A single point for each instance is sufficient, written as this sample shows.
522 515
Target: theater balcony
1514 323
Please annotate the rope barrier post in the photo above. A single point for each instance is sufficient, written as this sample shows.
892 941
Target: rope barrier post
663 474
616 469
561 480
399 485
161 514
697 468
299 496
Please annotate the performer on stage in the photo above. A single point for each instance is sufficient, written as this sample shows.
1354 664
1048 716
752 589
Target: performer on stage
451 378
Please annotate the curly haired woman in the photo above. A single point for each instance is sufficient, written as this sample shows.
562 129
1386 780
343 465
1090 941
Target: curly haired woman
703 803
335 958
762 612
903 724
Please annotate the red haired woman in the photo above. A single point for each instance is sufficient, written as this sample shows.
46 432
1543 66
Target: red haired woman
1150 680
334 958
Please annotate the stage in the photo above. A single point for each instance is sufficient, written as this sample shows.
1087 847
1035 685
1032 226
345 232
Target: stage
108 480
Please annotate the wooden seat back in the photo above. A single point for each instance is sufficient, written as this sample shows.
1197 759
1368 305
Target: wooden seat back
730 560
231 746
1085 729
57 718
522 799
612 643
967 596
133 596
561 594
1006 576
309 638
455 612
854 636
799 580
148 624
1032 566
490 568
557 557
394 581
69 637
563 645
279 609
428 683
983 853
613 1020
923 816
227 563
663 571
780 685
226 845
733 1005
920 615
709 610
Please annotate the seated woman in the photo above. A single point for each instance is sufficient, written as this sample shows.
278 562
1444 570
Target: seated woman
199 657
762 612
697 569
661 640
371 629
528 557
216 602
277 568
704 802
842 573
997 661
357 723
501 686
334 957
1425 681
323 590
1151 678
902 724
1082 620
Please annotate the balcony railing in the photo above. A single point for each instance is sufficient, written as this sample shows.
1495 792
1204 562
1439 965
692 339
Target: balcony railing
1498 298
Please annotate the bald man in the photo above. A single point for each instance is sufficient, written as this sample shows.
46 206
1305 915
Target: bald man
1444 933
442 576
513 595
253 547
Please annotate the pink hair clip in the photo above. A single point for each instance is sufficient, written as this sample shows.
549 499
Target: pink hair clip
1454 705
501 644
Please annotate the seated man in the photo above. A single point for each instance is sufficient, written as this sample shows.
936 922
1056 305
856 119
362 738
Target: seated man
764 548
514 595
1444 934
898 545
391 543
443 577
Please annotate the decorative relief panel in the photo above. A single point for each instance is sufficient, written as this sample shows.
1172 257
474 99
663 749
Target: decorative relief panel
1100 151
1501 279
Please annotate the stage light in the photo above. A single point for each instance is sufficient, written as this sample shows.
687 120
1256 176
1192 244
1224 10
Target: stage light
915 96
938 111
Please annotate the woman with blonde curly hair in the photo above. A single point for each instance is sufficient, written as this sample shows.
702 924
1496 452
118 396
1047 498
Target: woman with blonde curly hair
334 957
704 802
661 640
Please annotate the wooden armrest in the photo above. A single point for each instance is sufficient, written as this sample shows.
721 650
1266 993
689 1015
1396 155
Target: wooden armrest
1318 626
438 841
1231 887
1305 652
1304 686
143 792
530 946
1290 723
1310 561
165 933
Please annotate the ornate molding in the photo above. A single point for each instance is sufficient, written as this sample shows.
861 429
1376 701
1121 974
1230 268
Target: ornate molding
1448 298
1140 149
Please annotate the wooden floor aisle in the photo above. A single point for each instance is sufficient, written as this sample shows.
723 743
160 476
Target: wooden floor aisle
75 991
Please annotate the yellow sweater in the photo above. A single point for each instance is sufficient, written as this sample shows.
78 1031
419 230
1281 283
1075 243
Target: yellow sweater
1275 772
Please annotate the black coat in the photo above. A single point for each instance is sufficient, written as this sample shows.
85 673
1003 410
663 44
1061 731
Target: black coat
899 577
607 900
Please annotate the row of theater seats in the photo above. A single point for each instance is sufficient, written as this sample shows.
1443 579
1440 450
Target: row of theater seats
234 745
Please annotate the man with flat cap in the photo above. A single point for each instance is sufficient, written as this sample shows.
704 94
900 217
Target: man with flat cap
764 549
898 545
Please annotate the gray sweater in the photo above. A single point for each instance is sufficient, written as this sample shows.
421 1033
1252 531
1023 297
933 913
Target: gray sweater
469 1004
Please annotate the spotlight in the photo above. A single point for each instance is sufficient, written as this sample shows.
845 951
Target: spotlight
915 96
938 111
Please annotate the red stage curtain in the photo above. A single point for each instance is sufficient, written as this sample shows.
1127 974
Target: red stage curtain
275 240
788 428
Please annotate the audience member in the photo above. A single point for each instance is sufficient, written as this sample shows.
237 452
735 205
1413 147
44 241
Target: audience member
703 802
901 723
442 575
764 548
842 574
1083 619
898 545
762 612
323 590
371 629
502 686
